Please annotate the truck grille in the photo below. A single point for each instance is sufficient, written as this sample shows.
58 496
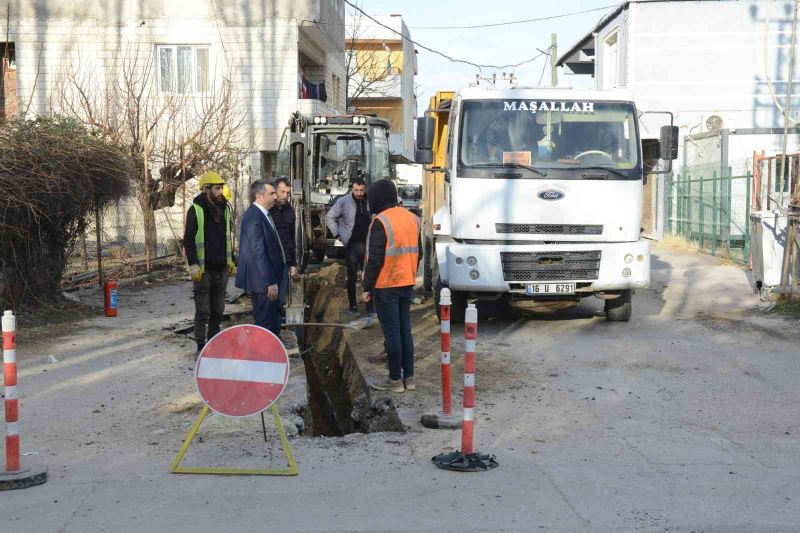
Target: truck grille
550 266
551 229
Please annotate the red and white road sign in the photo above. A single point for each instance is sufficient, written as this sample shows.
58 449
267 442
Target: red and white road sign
242 371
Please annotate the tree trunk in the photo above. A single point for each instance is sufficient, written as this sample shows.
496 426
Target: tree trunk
149 225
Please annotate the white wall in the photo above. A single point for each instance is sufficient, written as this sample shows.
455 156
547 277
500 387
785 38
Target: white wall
256 45
702 58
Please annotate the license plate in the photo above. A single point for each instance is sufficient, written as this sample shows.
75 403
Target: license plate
538 289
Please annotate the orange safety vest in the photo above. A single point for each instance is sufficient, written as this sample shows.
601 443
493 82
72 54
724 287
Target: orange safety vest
402 248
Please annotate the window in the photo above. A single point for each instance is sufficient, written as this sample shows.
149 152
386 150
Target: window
269 164
611 61
8 82
183 69
560 135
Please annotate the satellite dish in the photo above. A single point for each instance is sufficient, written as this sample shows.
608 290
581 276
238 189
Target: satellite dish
714 123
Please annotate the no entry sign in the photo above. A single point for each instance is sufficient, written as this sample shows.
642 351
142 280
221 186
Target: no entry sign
242 371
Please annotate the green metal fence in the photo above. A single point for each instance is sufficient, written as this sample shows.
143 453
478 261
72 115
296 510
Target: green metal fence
711 210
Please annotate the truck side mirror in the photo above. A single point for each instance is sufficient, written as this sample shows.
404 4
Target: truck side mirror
423 156
669 143
425 132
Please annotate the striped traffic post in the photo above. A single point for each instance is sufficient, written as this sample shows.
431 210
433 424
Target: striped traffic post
444 419
10 382
470 341
14 476
467 459
447 406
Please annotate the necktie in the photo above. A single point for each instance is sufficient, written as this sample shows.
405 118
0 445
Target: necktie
272 223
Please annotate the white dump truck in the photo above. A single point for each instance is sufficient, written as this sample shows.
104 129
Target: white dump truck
542 196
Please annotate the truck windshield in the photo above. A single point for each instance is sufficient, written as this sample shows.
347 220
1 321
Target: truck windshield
559 134
339 159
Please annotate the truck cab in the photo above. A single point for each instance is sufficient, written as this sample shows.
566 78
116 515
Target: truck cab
542 198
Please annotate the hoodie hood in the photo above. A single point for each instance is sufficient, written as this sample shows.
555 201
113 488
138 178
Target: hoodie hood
381 196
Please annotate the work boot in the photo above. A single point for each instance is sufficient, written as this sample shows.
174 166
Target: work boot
409 383
388 385
200 346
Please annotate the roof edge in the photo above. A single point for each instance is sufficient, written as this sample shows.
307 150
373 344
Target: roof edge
590 35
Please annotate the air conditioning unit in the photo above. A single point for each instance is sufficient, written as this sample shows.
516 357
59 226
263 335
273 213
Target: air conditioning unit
717 121
766 248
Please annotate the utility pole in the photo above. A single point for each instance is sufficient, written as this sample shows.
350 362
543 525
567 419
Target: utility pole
794 202
553 60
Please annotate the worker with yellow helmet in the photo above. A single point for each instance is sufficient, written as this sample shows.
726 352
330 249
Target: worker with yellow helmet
209 254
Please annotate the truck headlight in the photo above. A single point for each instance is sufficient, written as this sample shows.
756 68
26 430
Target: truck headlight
459 260
626 272
640 258
471 261
355 120
316 120
473 275
628 259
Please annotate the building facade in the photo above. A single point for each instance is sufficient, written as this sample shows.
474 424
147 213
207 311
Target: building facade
277 55
722 68
382 64
275 58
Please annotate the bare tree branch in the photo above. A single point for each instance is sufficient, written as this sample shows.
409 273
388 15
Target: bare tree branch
127 106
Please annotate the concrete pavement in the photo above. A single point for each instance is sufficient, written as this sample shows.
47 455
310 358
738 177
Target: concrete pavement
684 419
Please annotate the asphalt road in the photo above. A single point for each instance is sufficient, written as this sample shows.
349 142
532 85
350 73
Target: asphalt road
684 419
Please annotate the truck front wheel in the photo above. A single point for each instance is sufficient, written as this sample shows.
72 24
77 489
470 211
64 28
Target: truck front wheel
620 309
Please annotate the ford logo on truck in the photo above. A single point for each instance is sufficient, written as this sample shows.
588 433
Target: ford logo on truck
551 194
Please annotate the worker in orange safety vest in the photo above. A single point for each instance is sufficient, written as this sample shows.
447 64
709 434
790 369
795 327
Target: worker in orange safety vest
394 251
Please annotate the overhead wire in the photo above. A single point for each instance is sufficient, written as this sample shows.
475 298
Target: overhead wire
544 68
479 66
491 25
512 22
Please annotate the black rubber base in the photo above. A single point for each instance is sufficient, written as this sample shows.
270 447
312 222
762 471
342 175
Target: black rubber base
22 479
459 462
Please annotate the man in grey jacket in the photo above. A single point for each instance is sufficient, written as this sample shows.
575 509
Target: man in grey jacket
348 220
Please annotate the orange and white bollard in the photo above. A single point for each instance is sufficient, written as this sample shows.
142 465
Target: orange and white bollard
445 419
467 459
10 383
470 342
14 476
447 406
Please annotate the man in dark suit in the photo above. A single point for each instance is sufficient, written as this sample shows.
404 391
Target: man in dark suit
261 257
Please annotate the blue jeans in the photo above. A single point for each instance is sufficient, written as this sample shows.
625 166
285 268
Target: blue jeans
393 306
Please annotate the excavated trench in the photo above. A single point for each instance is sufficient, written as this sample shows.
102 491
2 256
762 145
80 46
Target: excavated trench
339 400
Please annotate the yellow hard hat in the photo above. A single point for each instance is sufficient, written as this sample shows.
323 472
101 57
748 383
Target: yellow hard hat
210 178
226 192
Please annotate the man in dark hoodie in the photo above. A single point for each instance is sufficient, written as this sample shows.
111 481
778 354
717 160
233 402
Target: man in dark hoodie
209 253
394 250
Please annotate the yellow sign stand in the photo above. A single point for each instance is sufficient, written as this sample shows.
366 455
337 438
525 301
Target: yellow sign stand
176 467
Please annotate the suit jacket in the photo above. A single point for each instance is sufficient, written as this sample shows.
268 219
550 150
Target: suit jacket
261 262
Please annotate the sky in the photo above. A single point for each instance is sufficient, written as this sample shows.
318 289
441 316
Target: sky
500 45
